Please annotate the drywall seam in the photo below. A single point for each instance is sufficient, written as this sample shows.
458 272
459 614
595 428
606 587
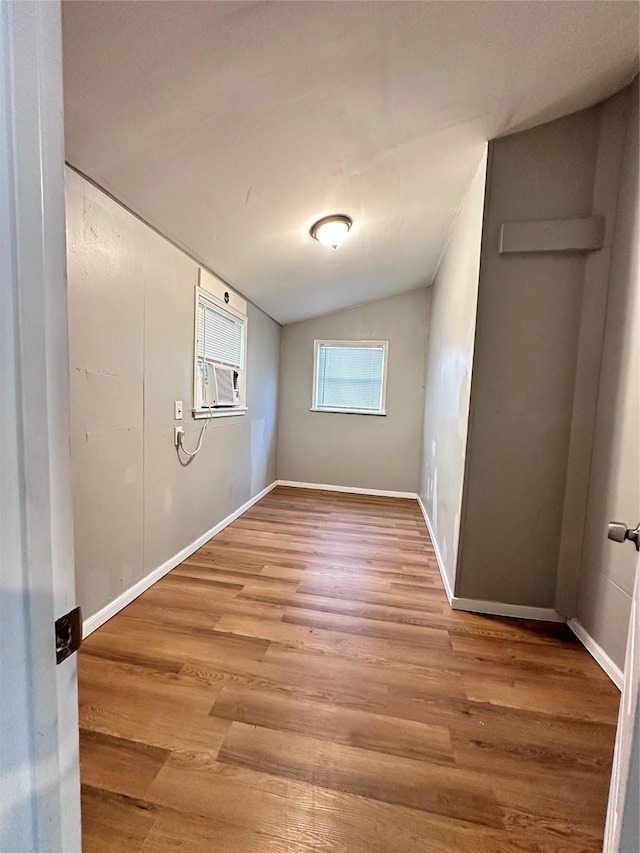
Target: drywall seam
439 560
325 487
597 653
104 614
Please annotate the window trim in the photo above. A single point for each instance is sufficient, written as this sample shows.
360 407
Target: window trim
382 412
223 412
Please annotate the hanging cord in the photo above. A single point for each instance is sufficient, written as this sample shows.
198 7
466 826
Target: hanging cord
195 452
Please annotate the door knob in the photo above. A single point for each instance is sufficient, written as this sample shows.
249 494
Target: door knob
619 532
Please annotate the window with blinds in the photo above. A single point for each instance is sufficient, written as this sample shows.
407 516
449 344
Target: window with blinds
350 376
220 335
219 353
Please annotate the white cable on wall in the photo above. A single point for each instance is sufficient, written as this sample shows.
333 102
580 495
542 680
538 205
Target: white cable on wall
195 452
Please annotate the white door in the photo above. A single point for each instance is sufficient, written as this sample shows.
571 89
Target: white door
39 796
622 833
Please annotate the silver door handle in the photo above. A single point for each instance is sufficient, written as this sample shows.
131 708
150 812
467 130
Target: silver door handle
619 532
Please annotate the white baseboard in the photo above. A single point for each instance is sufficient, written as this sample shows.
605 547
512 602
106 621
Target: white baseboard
543 614
597 653
92 622
324 487
515 611
492 608
445 580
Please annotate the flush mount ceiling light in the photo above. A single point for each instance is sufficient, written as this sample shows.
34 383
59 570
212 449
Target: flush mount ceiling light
331 230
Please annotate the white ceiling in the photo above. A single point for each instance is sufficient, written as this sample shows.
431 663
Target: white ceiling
232 127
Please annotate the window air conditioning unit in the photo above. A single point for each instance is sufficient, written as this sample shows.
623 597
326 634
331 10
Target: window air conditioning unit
218 385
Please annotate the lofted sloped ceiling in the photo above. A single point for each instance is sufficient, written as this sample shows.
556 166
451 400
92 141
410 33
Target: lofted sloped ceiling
232 126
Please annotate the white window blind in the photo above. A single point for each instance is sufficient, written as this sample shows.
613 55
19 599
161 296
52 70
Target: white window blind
220 335
350 376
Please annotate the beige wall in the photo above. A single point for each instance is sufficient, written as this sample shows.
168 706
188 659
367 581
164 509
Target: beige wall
608 569
363 451
528 323
448 374
131 303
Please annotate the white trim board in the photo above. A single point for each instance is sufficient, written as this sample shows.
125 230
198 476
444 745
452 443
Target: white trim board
499 608
597 653
97 619
325 487
445 580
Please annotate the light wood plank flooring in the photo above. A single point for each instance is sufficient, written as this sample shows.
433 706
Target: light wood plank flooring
300 684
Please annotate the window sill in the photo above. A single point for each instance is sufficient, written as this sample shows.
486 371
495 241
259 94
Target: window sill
205 414
350 412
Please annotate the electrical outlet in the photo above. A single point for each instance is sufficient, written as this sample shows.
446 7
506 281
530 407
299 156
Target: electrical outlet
177 410
178 431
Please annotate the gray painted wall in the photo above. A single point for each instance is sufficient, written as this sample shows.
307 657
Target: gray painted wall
131 304
528 323
607 176
364 451
608 569
448 374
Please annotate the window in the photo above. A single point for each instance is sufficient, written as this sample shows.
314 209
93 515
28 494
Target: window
219 352
220 335
350 376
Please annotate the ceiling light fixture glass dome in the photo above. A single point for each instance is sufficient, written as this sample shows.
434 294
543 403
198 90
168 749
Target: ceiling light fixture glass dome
331 230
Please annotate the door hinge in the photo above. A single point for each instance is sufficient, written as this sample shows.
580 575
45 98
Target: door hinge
68 634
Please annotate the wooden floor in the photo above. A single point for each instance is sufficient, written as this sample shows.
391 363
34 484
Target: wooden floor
300 684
